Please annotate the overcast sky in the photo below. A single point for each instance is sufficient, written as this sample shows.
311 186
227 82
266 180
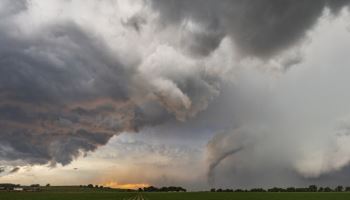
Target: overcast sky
196 93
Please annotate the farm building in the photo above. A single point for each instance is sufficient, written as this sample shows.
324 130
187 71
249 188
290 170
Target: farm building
18 189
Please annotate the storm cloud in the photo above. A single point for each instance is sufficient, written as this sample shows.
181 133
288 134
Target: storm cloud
65 90
258 28
74 74
42 77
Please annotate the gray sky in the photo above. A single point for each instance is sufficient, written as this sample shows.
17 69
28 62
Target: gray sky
194 93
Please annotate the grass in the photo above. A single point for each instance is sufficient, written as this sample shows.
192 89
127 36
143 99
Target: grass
170 196
65 195
247 196
78 189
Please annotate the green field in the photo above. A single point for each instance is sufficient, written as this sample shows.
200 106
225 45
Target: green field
169 196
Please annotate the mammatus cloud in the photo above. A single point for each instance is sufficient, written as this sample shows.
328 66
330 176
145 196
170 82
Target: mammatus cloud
69 83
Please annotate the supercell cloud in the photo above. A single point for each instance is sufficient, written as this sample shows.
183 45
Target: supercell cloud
68 86
73 74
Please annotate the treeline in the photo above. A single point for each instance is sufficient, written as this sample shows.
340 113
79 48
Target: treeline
311 188
162 189
92 186
8 186
104 188
18 187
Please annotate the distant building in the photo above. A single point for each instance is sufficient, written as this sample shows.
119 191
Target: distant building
19 189
32 189
8 186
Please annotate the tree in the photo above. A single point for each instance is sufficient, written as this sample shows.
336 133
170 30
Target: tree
301 189
257 190
163 189
212 190
276 189
327 189
48 185
90 186
312 188
35 185
339 188
347 189
150 189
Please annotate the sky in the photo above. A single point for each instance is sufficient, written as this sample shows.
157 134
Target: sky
194 93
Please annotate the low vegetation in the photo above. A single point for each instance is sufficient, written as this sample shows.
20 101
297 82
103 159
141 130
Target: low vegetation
174 195
311 188
95 192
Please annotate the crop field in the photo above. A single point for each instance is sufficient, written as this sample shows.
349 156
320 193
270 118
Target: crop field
170 196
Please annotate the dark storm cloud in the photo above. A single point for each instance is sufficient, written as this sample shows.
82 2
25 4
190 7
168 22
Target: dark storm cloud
60 61
55 147
65 92
202 40
258 28
59 90
40 77
67 86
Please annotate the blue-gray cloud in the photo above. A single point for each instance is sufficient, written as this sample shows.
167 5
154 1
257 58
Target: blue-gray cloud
66 88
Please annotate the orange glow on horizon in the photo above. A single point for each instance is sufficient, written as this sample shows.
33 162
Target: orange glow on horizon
114 184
